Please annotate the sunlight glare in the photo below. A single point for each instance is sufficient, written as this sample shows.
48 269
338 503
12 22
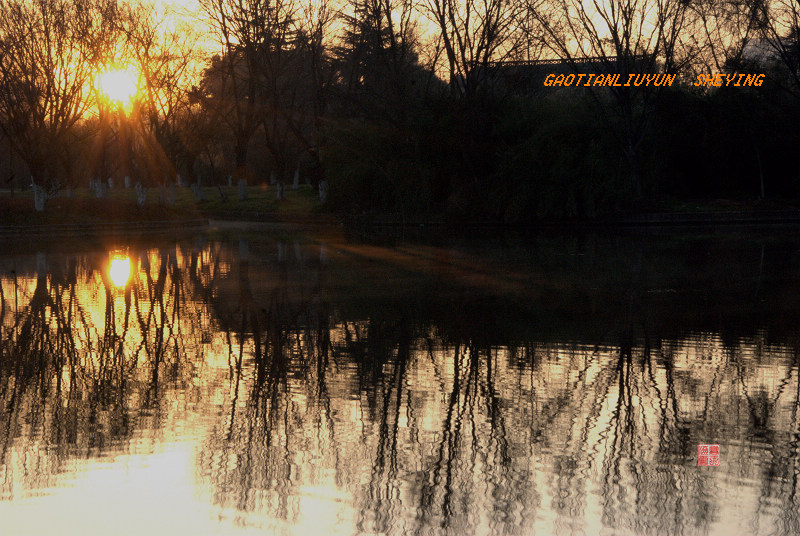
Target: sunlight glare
119 270
118 85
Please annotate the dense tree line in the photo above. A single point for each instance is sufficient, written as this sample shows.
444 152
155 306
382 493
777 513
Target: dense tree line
409 106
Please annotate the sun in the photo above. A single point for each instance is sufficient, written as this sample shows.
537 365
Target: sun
119 86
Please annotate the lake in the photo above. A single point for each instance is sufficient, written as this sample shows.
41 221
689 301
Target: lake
261 380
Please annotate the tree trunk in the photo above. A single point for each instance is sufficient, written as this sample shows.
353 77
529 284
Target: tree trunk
39 197
634 175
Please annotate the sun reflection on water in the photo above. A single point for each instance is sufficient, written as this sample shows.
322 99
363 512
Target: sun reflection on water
119 270
221 395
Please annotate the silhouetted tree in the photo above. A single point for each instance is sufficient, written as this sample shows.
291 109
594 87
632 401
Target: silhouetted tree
47 54
779 26
164 56
474 33
376 61
623 38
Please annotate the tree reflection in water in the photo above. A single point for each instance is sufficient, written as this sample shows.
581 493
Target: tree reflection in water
387 402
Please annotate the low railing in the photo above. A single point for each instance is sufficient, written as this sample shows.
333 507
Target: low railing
587 60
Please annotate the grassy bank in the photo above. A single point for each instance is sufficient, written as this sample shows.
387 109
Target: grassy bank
83 207
302 205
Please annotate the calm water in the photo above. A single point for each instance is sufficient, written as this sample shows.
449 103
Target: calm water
269 383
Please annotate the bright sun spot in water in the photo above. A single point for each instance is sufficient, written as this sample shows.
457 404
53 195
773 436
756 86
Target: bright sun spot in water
120 271
118 85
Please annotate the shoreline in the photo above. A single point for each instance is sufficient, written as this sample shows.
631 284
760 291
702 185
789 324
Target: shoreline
96 228
660 220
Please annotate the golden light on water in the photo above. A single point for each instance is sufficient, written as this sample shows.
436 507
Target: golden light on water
119 86
316 438
119 270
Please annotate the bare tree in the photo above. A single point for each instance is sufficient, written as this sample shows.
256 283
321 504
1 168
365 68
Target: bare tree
724 29
779 25
474 33
164 55
315 33
271 46
227 83
200 133
619 37
47 53
274 66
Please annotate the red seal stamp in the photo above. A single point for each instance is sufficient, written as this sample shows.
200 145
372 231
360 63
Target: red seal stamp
708 455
